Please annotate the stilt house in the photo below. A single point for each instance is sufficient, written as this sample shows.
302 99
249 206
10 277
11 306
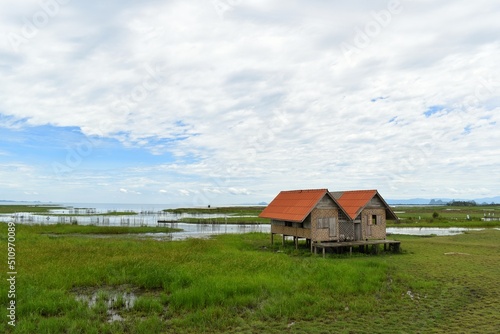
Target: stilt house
322 216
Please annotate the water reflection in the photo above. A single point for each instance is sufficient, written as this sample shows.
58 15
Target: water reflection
207 230
441 231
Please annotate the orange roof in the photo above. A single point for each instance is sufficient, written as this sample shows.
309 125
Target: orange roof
293 205
354 201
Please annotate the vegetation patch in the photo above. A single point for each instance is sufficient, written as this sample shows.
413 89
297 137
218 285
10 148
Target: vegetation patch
448 216
226 220
109 213
229 210
63 229
28 208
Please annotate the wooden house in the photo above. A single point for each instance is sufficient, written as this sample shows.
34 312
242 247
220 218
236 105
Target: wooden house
368 213
318 215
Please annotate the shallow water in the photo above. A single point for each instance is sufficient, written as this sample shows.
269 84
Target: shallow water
441 231
116 299
206 231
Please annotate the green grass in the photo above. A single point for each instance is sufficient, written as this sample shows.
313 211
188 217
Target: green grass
235 215
91 229
447 216
228 220
241 284
110 213
28 208
244 215
230 210
46 211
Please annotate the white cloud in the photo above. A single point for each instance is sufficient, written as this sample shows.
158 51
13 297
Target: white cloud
263 98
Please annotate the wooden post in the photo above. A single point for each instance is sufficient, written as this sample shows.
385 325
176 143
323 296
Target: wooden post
296 241
272 238
324 251
283 241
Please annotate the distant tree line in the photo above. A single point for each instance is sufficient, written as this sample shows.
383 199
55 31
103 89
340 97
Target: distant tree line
462 203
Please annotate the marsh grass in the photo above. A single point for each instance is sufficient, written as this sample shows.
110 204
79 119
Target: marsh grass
229 210
239 283
226 220
60 229
8 208
110 213
446 216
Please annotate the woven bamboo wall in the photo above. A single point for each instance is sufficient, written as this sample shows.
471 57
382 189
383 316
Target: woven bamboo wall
322 234
294 231
373 231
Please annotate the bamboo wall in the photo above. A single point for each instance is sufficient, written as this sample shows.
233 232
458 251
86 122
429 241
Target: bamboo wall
323 234
373 231
294 231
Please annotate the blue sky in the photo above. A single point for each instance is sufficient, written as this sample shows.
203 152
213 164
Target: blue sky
227 102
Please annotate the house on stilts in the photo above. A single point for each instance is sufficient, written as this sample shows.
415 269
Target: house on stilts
330 219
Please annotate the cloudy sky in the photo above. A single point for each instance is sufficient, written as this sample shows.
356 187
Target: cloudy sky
202 102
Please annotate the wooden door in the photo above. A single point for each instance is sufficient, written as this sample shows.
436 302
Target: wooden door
333 227
357 231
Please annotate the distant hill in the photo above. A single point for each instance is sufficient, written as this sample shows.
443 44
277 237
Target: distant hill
488 200
441 201
418 201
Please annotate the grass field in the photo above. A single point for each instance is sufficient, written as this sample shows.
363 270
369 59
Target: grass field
92 229
229 210
8 208
446 216
240 284
234 215
46 211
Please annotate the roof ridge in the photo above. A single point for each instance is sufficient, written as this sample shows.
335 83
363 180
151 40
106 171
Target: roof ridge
355 190
304 190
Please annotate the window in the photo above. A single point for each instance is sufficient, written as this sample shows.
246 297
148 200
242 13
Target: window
374 219
323 223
